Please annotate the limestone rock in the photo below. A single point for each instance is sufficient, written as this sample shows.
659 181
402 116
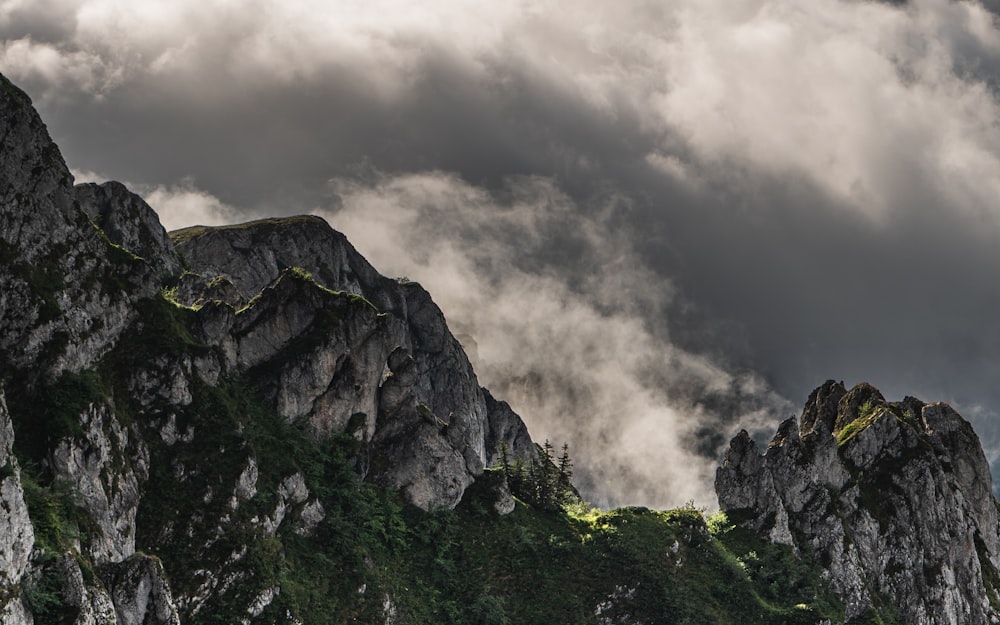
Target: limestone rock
877 491
128 221
105 467
94 293
252 255
67 293
141 594
17 537
91 601
342 348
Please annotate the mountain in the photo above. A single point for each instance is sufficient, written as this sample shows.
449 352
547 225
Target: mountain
893 500
249 424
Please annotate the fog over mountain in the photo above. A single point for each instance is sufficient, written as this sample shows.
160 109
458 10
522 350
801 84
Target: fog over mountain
651 223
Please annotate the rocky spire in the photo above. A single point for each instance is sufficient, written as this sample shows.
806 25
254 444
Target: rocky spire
893 500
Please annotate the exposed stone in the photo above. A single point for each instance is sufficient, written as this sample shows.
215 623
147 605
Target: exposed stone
93 604
876 491
312 515
246 484
341 350
14 612
17 536
384 367
105 466
252 255
67 293
141 594
128 221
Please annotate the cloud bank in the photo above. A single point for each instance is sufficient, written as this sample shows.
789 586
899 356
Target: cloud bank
803 191
573 353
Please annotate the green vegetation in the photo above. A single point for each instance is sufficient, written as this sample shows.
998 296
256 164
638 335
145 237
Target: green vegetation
50 410
540 564
552 560
780 578
867 415
170 295
544 482
56 518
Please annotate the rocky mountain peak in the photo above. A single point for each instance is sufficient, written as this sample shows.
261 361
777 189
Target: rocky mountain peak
129 222
143 368
893 500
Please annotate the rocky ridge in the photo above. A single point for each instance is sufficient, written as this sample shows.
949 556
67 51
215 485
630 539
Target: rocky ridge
114 336
893 500
400 372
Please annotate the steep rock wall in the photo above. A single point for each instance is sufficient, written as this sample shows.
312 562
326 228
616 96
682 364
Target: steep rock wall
894 501
431 427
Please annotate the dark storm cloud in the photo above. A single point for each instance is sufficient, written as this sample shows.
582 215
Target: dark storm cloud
803 191
267 133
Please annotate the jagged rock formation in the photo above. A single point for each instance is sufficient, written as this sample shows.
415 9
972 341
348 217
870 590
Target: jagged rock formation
893 500
17 537
128 221
122 344
393 365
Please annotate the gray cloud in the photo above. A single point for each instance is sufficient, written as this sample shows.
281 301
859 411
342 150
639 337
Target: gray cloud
801 190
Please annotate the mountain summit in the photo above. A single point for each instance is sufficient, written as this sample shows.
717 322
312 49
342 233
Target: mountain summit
893 500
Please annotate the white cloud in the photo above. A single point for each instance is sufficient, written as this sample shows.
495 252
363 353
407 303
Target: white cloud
864 98
568 351
184 205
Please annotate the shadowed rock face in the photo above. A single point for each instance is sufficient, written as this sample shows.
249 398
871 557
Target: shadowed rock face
57 303
389 360
894 500
128 221
111 332
17 537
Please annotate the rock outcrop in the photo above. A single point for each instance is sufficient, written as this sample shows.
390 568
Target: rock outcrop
893 500
389 361
129 222
146 369
67 294
17 537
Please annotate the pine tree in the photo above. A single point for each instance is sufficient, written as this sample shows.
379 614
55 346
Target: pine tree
545 482
565 482
505 461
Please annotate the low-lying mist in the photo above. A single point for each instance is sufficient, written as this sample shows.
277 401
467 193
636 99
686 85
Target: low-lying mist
554 311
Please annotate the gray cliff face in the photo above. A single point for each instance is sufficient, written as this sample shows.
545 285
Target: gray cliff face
17 537
391 364
67 294
893 500
251 256
107 464
128 221
126 350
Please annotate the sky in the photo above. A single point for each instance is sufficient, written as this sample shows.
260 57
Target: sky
651 223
